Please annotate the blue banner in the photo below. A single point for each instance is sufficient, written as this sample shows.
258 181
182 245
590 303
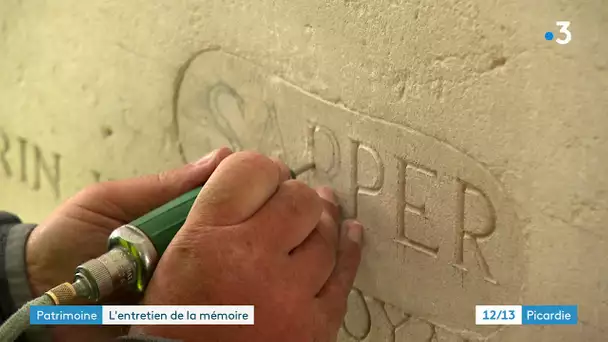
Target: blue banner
142 314
549 314
66 314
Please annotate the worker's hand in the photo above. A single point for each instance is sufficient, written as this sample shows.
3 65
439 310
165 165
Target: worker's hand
253 237
79 229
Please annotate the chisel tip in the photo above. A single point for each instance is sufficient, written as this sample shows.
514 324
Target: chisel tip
300 170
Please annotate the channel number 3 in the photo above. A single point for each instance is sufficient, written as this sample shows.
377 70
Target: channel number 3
564 29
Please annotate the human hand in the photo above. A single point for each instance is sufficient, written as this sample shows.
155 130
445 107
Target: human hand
253 237
79 229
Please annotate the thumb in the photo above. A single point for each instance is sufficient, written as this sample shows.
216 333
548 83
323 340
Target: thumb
131 198
335 292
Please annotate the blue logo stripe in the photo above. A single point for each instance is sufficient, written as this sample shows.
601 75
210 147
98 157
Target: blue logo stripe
549 314
66 315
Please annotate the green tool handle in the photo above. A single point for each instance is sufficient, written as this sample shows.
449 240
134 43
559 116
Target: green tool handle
162 223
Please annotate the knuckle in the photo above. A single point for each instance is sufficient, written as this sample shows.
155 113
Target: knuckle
163 177
169 179
302 197
93 191
303 191
257 165
297 186
251 158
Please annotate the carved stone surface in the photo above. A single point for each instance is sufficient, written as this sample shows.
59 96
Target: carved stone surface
369 319
472 149
438 225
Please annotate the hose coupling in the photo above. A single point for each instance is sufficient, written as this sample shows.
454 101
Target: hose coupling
106 274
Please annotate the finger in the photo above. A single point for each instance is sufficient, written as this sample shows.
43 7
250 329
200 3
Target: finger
288 217
131 198
241 185
333 295
328 226
316 258
331 206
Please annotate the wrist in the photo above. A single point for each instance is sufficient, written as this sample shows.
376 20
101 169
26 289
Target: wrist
35 268
16 288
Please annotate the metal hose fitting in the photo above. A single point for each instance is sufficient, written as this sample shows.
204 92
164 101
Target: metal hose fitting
62 294
102 276
128 265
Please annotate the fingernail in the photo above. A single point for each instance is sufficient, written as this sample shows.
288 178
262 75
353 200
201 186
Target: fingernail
327 194
355 231
204 160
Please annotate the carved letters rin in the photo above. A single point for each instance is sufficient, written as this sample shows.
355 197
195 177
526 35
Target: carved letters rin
429 211
31 162
413 186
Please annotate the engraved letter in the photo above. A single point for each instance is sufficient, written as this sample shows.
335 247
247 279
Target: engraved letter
367 172
414 183
53 176
324 149
23 158
357 321
227 112
96 176
476 219
6 146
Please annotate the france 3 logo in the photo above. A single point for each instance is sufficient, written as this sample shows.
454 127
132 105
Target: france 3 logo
567 35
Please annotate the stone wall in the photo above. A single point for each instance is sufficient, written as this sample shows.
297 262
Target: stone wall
473 150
